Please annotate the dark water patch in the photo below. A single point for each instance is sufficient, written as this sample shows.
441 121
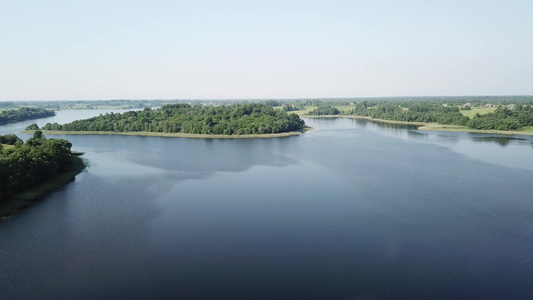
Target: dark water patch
500 140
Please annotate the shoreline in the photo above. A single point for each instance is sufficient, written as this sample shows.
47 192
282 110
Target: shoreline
175 135
22 200
428 126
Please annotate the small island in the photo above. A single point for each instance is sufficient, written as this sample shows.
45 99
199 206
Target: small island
31 170
23 114
186 120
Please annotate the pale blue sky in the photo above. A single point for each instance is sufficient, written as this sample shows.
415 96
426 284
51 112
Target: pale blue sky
57 50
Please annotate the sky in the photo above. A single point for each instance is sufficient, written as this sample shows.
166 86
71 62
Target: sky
99 50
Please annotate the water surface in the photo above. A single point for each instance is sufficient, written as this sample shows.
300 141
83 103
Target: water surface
350 210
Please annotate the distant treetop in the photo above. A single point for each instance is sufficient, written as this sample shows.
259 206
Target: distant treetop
23 114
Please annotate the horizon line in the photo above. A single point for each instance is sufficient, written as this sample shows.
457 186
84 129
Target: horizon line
259 99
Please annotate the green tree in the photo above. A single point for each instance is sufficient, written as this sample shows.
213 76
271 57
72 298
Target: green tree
10 139
33 126
38 134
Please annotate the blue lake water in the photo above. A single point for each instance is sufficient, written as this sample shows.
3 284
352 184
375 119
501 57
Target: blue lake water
351 210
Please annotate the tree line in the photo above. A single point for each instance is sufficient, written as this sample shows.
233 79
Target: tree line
504 119
237 119
429 112
25 165
23 114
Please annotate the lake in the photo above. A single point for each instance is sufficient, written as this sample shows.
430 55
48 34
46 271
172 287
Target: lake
350 210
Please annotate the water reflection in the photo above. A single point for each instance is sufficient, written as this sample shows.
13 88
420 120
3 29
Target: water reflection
486 147
411 131
500 140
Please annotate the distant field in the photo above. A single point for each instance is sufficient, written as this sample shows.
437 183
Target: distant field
528 128
89 106
306 110
15 108
477 110
113 107
7 146
299 112
345 109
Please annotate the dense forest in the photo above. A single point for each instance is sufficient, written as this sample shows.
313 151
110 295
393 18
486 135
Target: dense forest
24 165
238 119
23 114
504 119
430 112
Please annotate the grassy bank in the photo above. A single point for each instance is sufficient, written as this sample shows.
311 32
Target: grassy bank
24 199
435 126
302 112
477 110
440 127
182 135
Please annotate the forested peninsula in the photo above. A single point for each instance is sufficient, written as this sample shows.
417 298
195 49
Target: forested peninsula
31 170
216 120
504 117
23 114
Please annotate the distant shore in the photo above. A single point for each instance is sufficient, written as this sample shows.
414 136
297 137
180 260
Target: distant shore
177 135
20 201
428 126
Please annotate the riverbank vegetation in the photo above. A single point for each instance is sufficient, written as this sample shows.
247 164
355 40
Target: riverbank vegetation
502 115
503 118
427 112
30 170
512 117
178 135
238 119
23 114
